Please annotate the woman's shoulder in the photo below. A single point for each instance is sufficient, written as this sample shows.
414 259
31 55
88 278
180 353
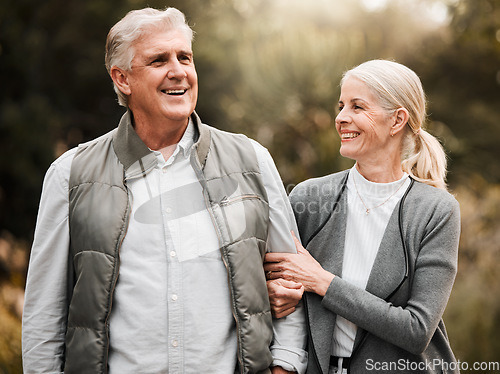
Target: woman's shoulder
429 193
432 199
327 185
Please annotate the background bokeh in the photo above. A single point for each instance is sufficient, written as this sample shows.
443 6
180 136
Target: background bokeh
269 69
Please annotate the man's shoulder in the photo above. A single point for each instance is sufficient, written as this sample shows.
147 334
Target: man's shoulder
65 159
232 144
100 139
224 134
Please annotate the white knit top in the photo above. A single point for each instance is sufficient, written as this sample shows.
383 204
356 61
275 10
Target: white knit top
364 232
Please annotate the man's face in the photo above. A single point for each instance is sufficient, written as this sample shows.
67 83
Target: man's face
162 81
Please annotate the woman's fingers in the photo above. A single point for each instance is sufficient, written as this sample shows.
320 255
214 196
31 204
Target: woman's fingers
298 245
275 257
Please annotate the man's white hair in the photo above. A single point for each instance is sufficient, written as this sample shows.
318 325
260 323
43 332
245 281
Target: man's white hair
120 41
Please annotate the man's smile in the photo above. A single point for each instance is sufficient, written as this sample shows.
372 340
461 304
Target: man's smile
175 92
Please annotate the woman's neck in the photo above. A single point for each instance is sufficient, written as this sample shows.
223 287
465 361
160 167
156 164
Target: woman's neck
380 173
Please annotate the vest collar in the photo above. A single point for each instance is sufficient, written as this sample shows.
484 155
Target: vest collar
136 156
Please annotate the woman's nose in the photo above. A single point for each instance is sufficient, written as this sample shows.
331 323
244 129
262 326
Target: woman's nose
342 117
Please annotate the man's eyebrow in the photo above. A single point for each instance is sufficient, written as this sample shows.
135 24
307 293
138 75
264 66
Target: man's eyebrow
156 55
186 52
163 55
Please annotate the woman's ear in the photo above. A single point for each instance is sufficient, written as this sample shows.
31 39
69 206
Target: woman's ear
401 117
120 79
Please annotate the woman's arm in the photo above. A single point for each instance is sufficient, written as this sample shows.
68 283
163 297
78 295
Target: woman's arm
411 327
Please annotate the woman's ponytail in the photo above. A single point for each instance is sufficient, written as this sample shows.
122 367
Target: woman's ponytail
424 159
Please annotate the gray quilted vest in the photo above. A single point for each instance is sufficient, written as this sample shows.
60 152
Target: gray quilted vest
99 208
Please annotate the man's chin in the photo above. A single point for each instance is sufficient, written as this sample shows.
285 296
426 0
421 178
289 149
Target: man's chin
178 113
181 117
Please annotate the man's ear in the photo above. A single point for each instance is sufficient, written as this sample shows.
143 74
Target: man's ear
120 78
401 117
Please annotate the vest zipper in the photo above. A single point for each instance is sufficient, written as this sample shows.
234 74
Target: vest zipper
197 168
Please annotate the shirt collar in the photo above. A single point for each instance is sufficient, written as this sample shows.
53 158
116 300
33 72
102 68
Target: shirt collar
187 140
137 158
369 188
183 147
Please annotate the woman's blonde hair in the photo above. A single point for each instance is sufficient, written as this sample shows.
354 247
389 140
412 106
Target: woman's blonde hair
120 41
396 86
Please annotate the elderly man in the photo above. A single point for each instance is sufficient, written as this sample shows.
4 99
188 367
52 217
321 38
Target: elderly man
149 244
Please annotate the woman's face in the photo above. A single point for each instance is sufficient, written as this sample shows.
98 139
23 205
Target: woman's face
363 125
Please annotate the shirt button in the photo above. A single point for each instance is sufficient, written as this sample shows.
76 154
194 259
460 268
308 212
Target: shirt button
168 210
172 254
174 343
174 297
164 170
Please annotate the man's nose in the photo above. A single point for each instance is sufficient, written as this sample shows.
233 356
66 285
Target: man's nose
176 71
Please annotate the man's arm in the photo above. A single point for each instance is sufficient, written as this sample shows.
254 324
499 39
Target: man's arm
290 333
45 303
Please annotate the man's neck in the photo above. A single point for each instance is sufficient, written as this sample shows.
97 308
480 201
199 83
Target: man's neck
160 134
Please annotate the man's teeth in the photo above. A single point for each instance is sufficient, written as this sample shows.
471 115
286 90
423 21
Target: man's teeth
350 135
174 92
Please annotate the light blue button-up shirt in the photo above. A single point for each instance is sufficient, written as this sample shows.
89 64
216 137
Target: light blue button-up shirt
171 308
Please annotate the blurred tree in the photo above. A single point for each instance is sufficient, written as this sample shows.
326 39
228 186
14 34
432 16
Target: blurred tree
461 74
269 69
290 64
55 91
473 312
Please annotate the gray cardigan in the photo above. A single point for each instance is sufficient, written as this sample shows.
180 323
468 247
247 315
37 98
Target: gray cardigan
404 333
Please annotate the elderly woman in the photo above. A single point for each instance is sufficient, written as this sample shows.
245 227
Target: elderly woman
381 238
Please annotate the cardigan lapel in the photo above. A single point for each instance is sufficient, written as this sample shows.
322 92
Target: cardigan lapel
389 267
332 259
321 321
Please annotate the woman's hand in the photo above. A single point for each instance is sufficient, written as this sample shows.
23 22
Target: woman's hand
280 370
299 268
284 296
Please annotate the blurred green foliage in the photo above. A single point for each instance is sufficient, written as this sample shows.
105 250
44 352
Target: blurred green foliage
269 69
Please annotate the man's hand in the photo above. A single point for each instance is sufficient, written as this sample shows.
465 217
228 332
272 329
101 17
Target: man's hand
280 370
284 295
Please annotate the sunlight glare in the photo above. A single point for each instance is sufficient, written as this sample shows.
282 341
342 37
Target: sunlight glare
373 5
